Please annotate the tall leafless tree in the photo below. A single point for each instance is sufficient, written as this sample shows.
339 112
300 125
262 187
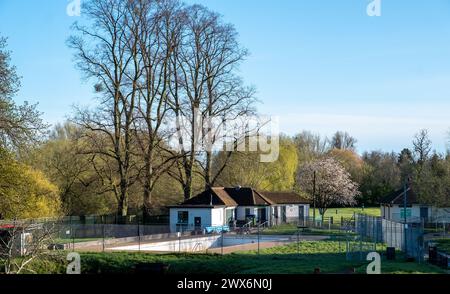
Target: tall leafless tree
106 52
422 147
343 140
159 23
206 87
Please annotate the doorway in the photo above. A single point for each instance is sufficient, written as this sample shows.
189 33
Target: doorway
301 214
262 215
198 223
424 213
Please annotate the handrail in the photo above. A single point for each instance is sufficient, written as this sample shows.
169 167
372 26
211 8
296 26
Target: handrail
197 247
245 228
264 224
247 224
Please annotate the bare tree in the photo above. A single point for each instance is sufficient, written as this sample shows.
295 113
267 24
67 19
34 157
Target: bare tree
19 124
328 183
23 242
106 52
422 147
310 146
158 30
343 140
206 86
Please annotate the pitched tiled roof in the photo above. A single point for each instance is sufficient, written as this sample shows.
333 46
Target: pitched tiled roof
213 196
243 196
285 198
247 197
397 197
224 196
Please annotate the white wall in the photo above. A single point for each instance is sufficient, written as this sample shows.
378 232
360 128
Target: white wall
204 213
218 217
210 217
292 211
394 212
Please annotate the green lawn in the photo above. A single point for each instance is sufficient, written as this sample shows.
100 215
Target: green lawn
443 245
348 212
329 256
291 229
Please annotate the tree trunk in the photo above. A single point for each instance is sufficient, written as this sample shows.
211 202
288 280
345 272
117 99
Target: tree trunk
187 189
208 177
322 213
148 188
122 210
123 202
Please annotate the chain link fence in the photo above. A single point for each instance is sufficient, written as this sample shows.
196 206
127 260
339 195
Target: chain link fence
409 238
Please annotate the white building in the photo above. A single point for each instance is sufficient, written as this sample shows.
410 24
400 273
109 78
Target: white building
393 208
221 206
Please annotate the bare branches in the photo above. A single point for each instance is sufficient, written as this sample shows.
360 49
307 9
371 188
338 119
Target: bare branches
22 242
205 65
106 51
19 124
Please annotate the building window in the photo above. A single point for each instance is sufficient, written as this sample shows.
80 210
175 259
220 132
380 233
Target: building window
183 217
247 212
229 215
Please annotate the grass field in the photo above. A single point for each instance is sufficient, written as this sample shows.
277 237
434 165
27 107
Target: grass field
443 245
291 229
329 256
348 212
336 213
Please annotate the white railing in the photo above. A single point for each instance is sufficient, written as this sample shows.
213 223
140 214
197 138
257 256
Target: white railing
245 228
264 225
197 247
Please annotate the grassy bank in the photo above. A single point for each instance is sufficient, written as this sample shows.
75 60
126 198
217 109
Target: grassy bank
290 229
326 255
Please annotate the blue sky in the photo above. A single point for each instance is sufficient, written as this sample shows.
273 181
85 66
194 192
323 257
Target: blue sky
320 65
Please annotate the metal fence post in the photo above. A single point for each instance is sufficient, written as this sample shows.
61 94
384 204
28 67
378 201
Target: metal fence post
103 233
221 250
139 234
179 240
73 235
258 239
